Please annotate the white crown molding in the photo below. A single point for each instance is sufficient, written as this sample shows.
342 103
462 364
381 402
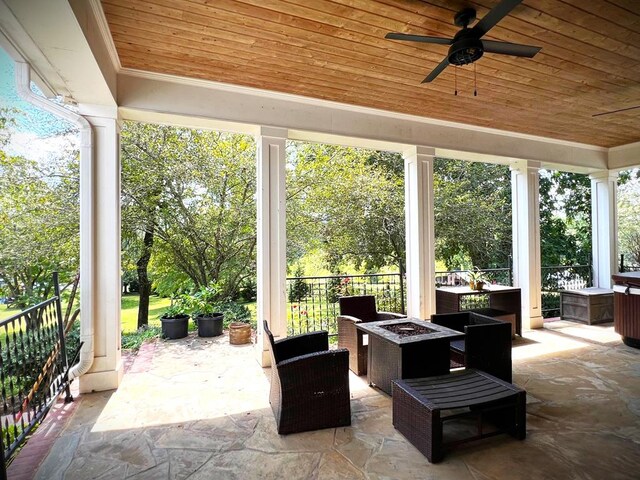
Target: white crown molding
343 106
105 33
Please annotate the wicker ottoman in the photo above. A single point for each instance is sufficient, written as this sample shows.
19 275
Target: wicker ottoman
418 405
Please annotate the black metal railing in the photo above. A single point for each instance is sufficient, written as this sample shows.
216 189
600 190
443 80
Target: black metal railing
312 302
561 277
33 370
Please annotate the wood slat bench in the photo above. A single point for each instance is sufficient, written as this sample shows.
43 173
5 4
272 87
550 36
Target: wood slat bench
418 406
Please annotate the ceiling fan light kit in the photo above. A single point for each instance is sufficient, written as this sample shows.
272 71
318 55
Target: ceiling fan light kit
466 46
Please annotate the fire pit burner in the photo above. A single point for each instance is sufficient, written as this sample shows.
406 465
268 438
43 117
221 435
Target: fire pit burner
407 329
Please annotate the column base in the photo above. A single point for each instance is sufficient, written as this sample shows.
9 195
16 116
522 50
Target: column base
532 323
262 354
101 381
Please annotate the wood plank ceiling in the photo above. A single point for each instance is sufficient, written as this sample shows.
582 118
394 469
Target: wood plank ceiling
336 50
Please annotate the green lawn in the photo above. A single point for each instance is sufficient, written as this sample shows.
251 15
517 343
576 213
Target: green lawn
129 311
7 312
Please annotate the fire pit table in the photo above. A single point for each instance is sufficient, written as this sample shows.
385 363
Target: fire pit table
406 348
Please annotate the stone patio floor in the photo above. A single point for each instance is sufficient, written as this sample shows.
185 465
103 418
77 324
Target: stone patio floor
198 409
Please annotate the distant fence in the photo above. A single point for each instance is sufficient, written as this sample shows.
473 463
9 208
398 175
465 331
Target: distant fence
312 302
33 370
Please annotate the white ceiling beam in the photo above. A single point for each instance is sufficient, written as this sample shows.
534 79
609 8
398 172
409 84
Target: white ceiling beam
321 121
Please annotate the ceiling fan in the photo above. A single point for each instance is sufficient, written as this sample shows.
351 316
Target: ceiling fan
467 46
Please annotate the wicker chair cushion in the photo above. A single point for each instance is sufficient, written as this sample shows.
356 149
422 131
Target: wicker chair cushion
362 307
458 345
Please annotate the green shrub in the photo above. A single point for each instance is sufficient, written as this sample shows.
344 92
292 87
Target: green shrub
134 340
234 312
299 288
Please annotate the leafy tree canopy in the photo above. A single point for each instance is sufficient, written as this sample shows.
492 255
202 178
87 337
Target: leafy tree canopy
194 190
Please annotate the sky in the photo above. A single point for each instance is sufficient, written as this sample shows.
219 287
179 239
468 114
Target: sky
36 133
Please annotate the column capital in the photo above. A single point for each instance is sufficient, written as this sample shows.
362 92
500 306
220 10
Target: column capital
604 175
523 166
274 132
416 150
100 111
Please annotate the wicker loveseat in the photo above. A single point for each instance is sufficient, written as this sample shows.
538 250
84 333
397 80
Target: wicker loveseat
309 383
487 342
353 310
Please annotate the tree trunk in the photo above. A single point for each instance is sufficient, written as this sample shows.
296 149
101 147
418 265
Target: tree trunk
143 277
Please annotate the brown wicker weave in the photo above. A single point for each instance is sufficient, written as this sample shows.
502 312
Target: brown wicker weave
420 404
487 342
353 310
309 383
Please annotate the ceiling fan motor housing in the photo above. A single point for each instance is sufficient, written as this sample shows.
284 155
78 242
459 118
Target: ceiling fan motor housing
465 49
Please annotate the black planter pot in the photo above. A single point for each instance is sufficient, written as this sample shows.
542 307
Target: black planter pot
173 328
209 325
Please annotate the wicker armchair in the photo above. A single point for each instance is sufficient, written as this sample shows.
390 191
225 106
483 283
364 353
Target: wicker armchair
309 383
486 346
354 310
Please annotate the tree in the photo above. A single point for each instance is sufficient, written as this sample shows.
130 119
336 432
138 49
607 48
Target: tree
39 223
565 218
347 203
472 209
189 206
629 220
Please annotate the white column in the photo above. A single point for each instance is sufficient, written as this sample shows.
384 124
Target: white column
418 187
272 261
100 254
526 240
604 227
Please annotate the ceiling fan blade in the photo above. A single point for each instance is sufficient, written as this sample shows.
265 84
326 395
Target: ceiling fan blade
418 38
514 49
496 14
615 111
437 71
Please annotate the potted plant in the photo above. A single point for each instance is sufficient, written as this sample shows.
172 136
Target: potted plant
175 320
203 310
476 279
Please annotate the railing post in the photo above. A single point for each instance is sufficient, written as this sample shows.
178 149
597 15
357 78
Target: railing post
401 293
63 346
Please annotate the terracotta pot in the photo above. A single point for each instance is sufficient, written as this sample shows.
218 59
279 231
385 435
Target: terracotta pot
239 333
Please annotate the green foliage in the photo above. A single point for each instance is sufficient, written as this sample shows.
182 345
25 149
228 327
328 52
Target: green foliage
347 203
194 190
565 218
234 312
249 289
299 288
629 219
134 340
476 275
39 223
179 306
472 210
202 302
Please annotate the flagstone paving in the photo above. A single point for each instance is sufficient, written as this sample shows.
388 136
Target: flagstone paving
198 409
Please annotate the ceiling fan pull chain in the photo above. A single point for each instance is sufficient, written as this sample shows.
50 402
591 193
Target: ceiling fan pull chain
475 81
455 79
